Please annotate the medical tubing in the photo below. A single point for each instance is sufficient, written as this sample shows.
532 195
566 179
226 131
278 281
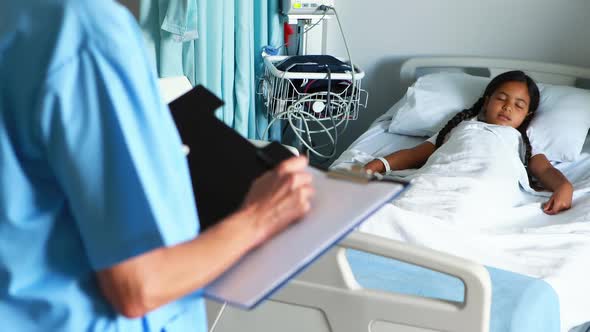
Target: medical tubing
329 102
314 148
300 115
290 112
318 22
334 140
289 117
304 142
308 138
347 111
326 8
347 53
334 126
304 99
212 329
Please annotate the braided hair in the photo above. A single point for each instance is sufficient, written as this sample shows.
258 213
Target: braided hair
511 76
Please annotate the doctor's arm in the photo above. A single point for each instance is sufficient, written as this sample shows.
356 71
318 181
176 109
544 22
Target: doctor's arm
404 159
145 282
552 179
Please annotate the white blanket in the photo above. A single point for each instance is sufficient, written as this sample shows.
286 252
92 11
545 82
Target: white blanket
470 200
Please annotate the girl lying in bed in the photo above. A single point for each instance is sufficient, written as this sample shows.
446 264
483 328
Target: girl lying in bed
502 114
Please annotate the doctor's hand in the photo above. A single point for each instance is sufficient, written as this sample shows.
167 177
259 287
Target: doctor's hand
560 200
279 197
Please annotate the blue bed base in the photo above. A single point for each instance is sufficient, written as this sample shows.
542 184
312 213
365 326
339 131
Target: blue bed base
519 303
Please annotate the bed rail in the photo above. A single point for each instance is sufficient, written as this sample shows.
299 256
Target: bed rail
329 286
542 72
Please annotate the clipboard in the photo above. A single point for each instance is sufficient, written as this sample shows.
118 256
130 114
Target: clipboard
222 163
338 206
343 199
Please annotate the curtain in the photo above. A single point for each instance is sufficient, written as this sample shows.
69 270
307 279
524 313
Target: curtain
226 56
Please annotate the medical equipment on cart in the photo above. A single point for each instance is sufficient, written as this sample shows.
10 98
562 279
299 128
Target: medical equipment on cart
308 90
304 7
315 94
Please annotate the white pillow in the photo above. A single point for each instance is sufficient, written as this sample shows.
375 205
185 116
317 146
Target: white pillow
558 130
561 124
433 100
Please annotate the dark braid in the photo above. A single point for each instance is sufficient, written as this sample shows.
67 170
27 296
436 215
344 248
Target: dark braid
525 138
466 114
527 144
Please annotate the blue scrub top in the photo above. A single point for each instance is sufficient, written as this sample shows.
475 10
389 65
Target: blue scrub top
91 171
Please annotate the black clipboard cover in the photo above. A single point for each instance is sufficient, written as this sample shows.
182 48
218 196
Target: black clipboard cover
222 163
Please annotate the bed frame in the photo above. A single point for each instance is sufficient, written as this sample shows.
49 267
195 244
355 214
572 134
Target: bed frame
326 297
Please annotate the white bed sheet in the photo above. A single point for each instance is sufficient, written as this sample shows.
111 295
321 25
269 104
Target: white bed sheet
526 225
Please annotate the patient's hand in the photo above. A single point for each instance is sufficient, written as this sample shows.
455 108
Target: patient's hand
375 166
560 200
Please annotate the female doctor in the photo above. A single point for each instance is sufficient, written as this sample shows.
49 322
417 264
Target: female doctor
98 227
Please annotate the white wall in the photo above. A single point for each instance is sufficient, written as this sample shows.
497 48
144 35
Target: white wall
382 33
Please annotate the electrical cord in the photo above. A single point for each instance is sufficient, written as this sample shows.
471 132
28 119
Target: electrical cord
294 115
298 43
349 59
295 112
286 45
212 329
320 20
348 108
334 127
311 96
303 141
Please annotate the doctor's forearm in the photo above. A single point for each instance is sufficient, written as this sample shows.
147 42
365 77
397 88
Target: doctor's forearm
276 199
148 281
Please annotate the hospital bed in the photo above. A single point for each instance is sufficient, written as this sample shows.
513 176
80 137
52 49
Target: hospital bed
356 287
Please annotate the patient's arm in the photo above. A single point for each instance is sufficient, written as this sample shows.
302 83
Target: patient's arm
552 179
404 159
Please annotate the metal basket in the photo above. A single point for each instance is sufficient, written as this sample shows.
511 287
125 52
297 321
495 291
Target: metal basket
305 96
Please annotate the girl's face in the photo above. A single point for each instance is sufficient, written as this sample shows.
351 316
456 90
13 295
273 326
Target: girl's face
508 105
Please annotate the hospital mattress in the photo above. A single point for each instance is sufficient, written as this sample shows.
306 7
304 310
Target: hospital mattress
519 303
